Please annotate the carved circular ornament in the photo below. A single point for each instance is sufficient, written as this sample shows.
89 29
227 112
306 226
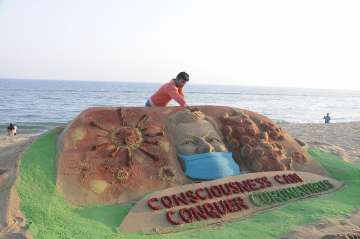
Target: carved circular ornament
167 173
121 142
123 175
126 137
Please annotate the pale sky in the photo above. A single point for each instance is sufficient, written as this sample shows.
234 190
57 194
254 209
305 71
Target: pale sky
303 43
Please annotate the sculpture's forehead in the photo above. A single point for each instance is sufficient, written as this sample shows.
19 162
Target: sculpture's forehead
195 128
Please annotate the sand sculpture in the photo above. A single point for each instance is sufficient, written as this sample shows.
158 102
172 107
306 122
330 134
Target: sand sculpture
118 155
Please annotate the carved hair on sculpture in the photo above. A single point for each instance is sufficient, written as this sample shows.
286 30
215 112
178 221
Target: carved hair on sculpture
257 144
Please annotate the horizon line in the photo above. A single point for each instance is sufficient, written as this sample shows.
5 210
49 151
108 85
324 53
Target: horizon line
120 81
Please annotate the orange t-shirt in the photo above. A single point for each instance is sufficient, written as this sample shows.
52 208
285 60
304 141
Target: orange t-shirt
167 92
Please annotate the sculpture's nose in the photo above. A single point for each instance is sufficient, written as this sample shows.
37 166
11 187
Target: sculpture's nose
204 146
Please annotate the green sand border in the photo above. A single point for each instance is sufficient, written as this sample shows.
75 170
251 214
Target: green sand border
50 216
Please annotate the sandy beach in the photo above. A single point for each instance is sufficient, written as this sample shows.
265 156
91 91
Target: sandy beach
7 141
342 139
12 222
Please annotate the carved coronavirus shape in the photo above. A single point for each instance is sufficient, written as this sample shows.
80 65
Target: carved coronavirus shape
124 137
124 140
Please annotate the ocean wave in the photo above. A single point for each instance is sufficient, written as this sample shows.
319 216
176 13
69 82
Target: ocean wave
78 91
36 104
279 121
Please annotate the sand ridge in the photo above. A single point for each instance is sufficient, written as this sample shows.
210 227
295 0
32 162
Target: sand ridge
12 222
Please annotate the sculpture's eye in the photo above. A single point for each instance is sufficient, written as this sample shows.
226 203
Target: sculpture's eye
187 142
214 140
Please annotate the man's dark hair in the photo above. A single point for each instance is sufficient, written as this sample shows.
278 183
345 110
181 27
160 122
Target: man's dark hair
11 126
183 75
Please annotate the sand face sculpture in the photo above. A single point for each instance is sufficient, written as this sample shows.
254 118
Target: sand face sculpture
200 147
193 133
118 155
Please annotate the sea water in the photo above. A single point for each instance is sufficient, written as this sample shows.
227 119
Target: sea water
38 105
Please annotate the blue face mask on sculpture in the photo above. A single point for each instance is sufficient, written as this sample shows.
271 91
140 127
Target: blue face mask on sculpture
209 166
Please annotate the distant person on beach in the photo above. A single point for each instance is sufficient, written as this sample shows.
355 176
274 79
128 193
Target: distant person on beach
172 90
327 118
11 129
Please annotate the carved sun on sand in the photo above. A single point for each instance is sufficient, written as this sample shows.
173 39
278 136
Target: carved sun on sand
125 140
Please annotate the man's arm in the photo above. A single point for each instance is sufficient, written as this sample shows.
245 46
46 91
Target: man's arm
177 96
